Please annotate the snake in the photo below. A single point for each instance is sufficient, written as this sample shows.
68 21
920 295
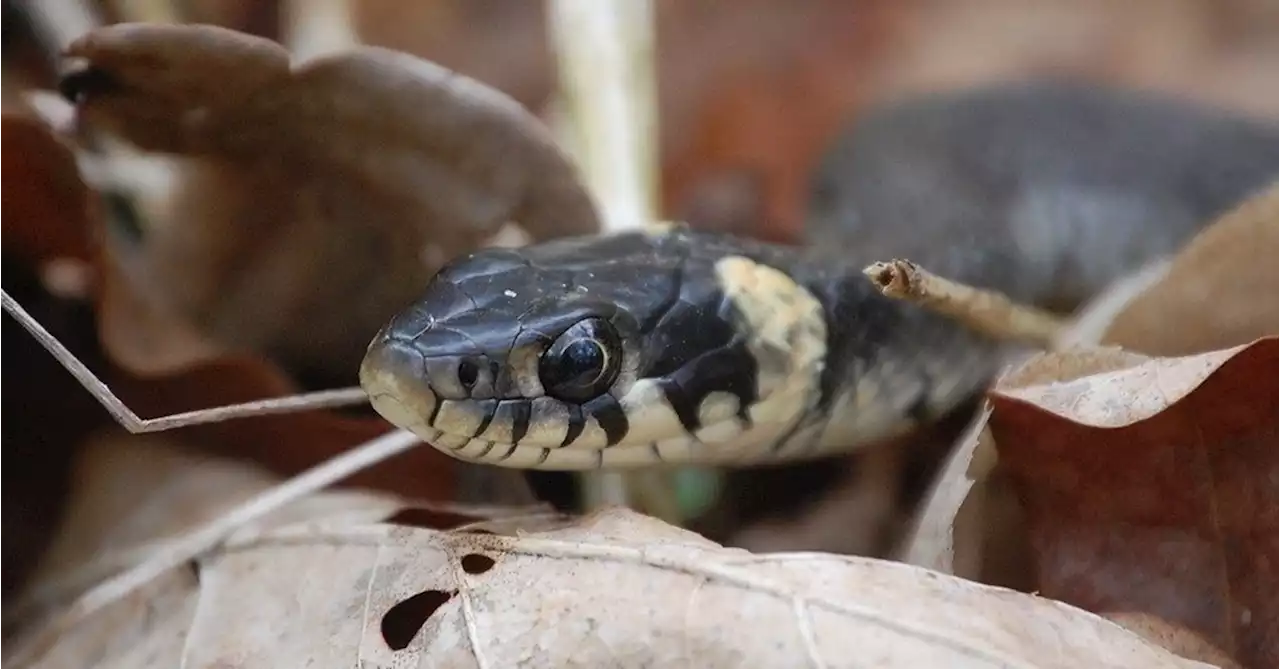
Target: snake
675 346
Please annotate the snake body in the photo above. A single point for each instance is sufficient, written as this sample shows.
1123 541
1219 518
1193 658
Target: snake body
676 346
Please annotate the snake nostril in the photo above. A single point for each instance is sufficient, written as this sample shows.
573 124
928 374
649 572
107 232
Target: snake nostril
468 374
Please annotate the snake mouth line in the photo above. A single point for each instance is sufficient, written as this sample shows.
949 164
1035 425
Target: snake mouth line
474 431
466 429
515 455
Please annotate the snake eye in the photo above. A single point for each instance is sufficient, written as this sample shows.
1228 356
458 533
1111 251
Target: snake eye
582 363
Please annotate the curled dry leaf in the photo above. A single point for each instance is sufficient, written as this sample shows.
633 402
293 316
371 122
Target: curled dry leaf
161 364
947 533
612 589
970 523
1151 488
44 229
314 199
1220 290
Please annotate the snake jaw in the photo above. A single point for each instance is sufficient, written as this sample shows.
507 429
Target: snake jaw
404 400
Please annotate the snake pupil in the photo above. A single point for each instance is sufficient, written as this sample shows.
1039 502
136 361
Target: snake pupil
578 366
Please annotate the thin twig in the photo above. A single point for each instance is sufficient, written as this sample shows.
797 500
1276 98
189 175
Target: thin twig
207 538
130 421
983 310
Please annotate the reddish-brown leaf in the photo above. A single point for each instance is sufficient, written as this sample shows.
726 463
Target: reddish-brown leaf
1151 488
46 412
44 202
49 217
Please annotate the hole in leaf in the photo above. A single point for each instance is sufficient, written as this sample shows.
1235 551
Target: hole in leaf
432 520
401 622
475 563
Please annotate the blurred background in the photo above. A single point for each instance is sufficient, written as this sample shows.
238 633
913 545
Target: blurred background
749 91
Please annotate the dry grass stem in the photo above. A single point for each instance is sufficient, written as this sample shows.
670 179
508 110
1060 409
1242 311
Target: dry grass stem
130 421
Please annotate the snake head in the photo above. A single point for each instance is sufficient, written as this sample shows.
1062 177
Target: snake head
618 350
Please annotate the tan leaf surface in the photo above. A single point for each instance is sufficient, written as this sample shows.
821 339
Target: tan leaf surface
1222 289
131 493
1151 488
1179 639
613 589
130 490
315 198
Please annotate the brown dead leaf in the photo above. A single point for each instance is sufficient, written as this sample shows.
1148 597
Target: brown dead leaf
132 490
615 588
1151 488
132 493
44 204
58 411
46 413
970 523
947 535
314 199
1222 289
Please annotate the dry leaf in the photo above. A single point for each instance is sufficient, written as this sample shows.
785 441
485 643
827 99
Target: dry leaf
169 366
615 589
47 414
1220 290
45 204
1179 639
132 490
1152 488
315 199
947 534
132 493
970 523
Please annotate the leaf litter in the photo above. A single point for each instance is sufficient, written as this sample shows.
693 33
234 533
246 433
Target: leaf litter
327 584
1142 488
702 559
325 192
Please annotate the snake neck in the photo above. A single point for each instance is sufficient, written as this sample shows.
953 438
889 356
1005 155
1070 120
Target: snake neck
890 366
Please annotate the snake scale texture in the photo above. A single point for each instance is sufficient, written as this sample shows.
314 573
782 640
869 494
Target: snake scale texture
672 346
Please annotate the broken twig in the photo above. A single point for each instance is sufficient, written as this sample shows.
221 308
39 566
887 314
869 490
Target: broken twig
986 311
